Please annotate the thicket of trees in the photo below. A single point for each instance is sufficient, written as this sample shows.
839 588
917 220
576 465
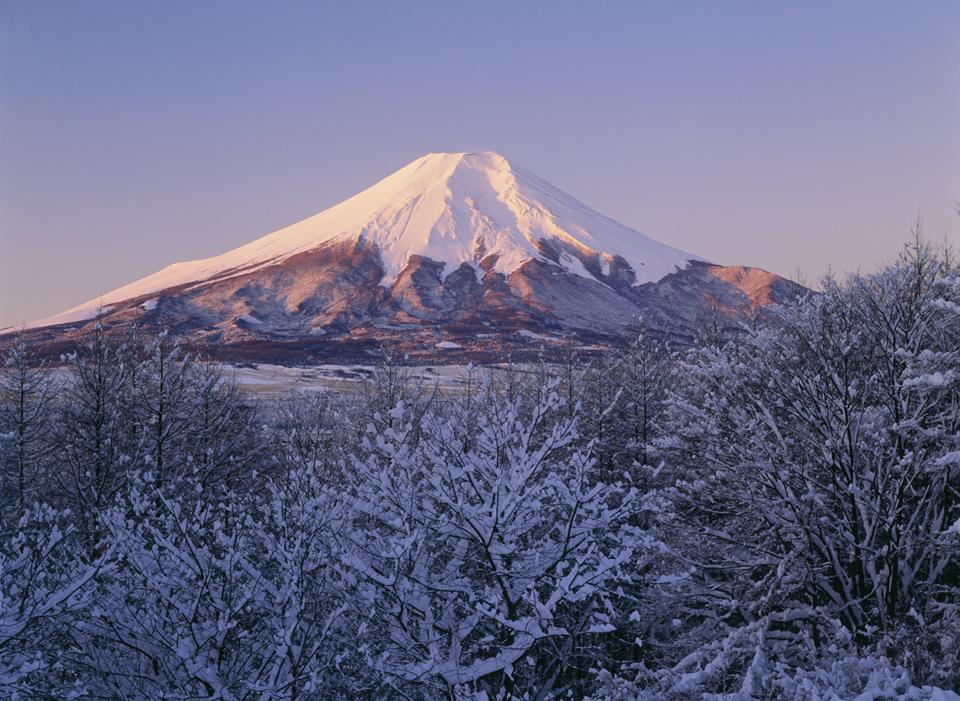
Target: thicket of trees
771 514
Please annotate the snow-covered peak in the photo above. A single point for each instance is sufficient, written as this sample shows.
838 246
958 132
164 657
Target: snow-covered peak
449 207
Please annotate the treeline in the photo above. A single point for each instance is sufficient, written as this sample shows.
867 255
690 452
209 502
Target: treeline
771 514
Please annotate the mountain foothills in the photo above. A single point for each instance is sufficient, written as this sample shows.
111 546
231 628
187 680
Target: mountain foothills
456 255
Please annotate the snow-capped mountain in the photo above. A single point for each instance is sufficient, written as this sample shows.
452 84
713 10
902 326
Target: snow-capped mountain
452 208
453 245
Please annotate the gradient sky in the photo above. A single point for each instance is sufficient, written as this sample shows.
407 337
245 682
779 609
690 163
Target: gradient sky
135 134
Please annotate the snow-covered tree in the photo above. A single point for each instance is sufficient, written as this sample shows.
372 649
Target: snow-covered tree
96 447
177 617
44 584
644 374
599 392
309 646
163 407
749 657
227 598
222 436
817 476
311 434
392 382
491 551
26 414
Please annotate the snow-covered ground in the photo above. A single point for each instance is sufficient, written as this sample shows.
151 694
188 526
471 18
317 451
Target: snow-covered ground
278 379
275 380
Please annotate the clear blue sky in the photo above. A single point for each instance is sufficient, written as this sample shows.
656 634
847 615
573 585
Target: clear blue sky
135 134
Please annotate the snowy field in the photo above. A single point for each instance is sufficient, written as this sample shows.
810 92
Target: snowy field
276 380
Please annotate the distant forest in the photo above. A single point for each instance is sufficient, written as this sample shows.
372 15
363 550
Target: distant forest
773 513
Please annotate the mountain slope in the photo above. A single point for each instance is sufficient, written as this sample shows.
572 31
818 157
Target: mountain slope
452 251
